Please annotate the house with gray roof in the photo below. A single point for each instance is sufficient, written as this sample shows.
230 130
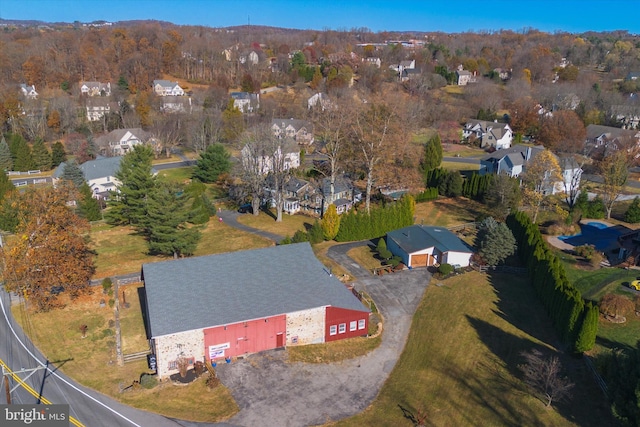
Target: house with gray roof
95 88
245 101
611 137
119 141
300 131
217 307
99 175
167 88
491 134
423 246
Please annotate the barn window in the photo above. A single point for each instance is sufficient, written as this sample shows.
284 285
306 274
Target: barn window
352 325
342 328
333 329
361 324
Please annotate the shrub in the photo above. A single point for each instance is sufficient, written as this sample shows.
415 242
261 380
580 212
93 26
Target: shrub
585 251
107 286
148 381
394 261
445 269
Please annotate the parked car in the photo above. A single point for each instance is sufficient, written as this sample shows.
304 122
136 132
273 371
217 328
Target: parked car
246 208
635 284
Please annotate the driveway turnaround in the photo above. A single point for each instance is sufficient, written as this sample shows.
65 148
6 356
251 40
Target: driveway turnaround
272 392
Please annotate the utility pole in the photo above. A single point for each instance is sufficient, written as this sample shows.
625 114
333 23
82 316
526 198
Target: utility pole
119 358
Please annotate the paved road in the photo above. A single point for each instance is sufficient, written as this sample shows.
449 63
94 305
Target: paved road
89 407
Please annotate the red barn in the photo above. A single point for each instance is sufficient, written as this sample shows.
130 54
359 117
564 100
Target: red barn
232 304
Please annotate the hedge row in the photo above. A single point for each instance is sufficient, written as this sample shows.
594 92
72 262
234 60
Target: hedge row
361 225
575 319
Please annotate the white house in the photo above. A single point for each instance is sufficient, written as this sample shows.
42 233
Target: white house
290 152
296 130
167 88
490 134
321 99
118 142
423 246
513 162
95 88
28 92
245 101
97 108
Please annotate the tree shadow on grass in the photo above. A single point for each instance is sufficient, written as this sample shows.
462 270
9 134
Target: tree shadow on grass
587 406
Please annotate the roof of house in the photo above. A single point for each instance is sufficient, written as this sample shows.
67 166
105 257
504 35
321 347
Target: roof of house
243 95
513 152
165 83
610 132
297 124
94 169
199 292
342 183
419 237
118 134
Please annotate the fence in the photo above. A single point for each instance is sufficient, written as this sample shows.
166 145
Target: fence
596 375
468 225
135 356
33 172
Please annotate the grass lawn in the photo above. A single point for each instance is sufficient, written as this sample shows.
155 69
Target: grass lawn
120 251
91 360
459 366
447 212
178 174
289 225
462 167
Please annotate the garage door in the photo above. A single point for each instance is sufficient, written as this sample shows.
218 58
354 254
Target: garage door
419 260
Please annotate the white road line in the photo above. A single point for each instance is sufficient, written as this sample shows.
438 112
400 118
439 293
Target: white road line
58 376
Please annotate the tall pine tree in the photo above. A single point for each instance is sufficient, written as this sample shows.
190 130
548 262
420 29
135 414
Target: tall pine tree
58 155
6 161
432 154
212 163
128 204
41 155
88 206
72 172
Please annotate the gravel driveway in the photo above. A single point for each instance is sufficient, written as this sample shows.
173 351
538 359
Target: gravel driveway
272 392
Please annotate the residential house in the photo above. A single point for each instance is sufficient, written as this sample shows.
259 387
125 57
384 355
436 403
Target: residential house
167 88
97 108
288 149
245 101
609 136
245 302
491 134
296 130
464 77
176 104
28 92
628 115
423 246
118 142
503 73
403 65
373 61
95 88
632 75
341 193
321 99
100 175
513 162
294 191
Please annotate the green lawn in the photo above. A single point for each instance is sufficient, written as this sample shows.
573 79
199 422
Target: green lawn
462 167
459 366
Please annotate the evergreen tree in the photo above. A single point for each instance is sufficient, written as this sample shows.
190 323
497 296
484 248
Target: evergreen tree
58 155
23 159
41 156
72 172
214 162
432 154
232 122
6 186
586 337
88 206
165 223
331 222
6 161
128 205
201 208
632 215
316 234
582 202
494 241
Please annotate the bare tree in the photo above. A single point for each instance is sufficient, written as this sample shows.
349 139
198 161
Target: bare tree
168 129
540 177
543 376
254 167
614 170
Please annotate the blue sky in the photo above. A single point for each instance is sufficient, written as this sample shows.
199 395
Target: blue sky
426 15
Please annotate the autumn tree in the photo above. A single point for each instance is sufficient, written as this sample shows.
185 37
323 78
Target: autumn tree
375 128
523 116
232 123
563 131
544 377
330 222
49 249
128 204
616 306
540 177
614 170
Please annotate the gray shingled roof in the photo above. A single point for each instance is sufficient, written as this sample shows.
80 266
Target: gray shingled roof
418 237
199 292
297 124
94 169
